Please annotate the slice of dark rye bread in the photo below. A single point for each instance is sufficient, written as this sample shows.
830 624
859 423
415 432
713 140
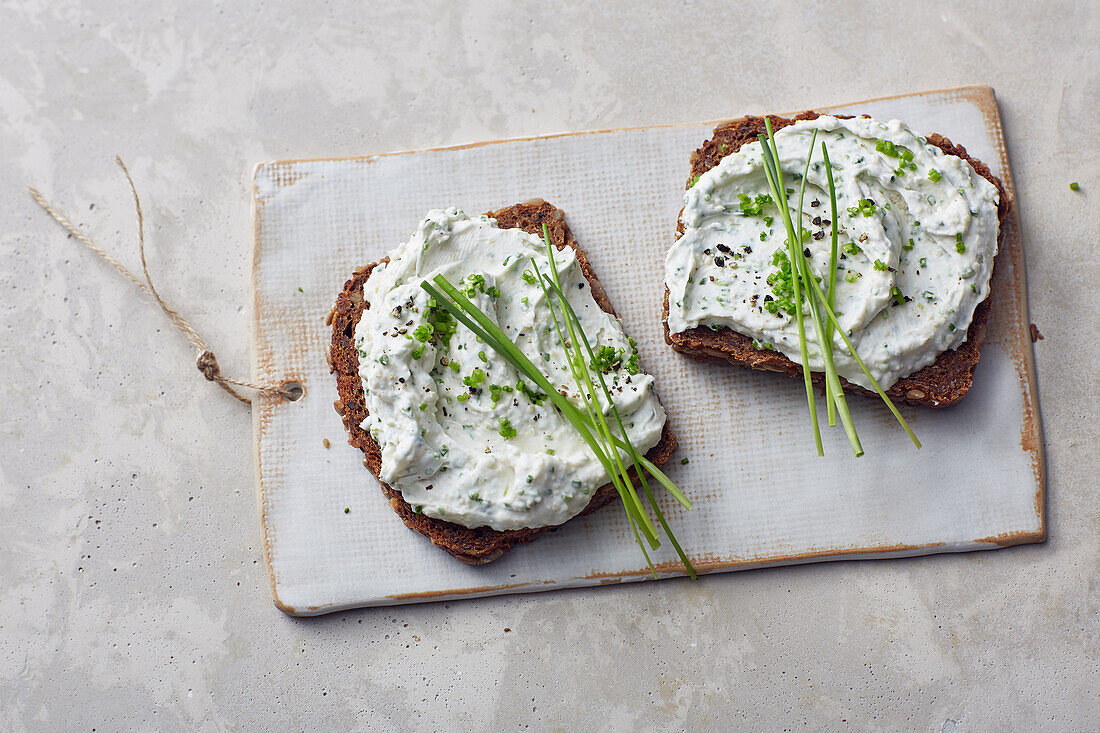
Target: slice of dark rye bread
482 544
940 384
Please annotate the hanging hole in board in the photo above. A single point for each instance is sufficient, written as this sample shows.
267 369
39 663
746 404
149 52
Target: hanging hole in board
293 391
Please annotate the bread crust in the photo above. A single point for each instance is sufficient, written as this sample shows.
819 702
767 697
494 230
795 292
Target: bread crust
479 545
940 384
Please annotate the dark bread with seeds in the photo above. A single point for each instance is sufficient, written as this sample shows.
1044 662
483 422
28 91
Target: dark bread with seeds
940 384
482 544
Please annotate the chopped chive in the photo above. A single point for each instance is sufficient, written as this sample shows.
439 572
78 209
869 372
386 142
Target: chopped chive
865 207
476 377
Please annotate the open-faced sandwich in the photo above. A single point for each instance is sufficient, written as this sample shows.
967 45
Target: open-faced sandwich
904 262
462 378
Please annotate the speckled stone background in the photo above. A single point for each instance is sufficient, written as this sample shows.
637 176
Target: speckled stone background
132 589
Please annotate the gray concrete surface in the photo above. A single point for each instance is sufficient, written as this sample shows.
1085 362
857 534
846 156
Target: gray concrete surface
132 588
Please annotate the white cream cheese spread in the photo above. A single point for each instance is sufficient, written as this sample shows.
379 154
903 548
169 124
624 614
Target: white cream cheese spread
463 437
917 237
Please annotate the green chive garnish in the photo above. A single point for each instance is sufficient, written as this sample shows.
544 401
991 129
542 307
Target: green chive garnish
828 344
820 305
590 423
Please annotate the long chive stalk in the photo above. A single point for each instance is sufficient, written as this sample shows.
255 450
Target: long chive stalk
468 314
799 274
834 232
590 424
592 408
583 381
636 513
635 457
821 304
833 390
794 247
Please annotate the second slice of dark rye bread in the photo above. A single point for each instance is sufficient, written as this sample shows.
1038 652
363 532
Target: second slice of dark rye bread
471 545
940 384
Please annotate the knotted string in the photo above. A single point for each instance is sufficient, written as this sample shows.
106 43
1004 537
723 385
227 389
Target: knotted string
207 363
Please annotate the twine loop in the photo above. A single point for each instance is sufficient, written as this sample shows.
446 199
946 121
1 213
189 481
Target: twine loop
207 363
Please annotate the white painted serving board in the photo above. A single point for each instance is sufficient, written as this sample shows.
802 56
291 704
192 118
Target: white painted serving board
762 496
